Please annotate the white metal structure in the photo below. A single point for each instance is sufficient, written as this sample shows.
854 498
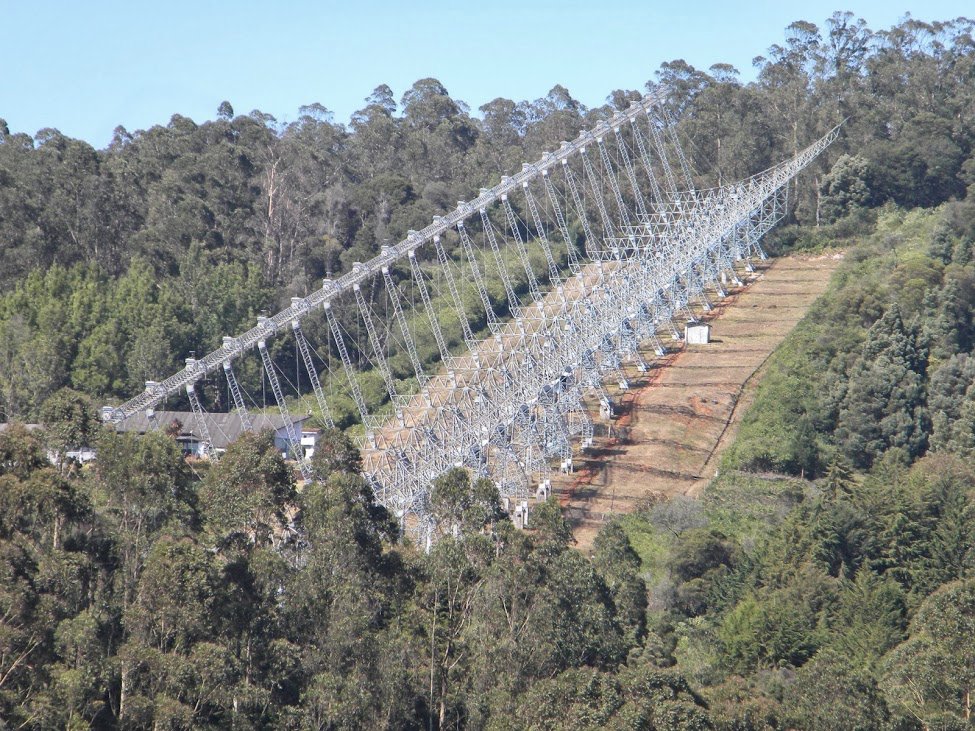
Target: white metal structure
488 327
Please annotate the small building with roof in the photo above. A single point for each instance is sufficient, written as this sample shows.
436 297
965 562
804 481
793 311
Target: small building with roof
223 429
697 333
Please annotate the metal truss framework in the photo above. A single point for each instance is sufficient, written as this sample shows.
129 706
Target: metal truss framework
534 294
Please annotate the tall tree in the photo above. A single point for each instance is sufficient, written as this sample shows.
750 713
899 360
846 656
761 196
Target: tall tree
884 405
931 676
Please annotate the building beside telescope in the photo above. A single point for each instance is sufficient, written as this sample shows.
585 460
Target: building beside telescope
222 428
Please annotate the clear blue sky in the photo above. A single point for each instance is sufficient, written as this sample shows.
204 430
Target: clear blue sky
85 67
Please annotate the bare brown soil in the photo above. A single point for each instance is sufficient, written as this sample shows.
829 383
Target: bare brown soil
677 418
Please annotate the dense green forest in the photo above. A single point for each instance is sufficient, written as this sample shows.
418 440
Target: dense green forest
824 581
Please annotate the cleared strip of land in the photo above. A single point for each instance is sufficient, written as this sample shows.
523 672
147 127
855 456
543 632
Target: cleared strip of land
675 420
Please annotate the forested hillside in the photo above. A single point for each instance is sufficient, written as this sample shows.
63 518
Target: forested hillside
116 264
824 581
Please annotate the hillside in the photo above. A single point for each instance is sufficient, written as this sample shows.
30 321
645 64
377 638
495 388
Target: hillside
825 575
678 418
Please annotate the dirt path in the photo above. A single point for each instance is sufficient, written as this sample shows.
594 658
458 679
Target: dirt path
676 419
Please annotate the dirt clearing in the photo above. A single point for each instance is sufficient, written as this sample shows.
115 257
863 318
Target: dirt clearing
677 418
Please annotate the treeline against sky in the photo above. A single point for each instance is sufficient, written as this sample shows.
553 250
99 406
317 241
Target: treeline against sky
115 264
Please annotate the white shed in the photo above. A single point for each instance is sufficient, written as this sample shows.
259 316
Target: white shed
697 333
